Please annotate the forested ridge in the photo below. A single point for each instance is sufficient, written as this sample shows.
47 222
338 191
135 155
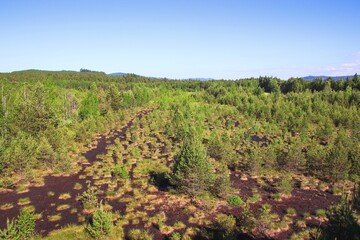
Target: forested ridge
210 134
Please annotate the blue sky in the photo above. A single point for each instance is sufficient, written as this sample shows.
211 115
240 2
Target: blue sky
183 38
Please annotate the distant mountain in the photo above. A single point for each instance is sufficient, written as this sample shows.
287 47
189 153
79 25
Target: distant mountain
201 79
118 74
310 78
197 78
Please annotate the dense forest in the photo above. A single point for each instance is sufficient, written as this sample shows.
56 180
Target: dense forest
222 156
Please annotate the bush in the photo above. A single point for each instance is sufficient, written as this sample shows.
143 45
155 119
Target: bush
10 232
120 171
320 213
342 223
100 223
137 234
246 220
175 236
89 198
291 211
25 224
285 185
21 228
192 170
235 200
226 225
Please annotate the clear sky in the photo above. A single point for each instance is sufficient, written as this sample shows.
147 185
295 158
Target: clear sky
183 38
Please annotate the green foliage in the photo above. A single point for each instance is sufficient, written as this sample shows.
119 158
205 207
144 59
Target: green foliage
45 153
250 124
121 171
338 164
342 223
320 213
89 198
135 152
25 224
90 105
285 185
11 231
246 221
222 184
192 171
220 148
175 236
22 228
20 156
100 223
291 211
226 225
114 97
137 234
235 200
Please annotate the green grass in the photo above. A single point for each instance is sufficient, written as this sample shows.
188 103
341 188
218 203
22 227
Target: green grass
22 189
24 201
64 196
30 208
235 200
291 211
6 206
78 186
54 218
306 215
51 194
320 213
62 207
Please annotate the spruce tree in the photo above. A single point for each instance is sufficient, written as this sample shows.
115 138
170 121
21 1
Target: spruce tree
192 172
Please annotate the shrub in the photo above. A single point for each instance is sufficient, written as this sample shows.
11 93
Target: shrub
121 171
26 224
276 196
291 211
226 224
137 234
10 232
285 185
100 223
7 183
21 228
89 198
246 220
320 213
192 171
306 215
254 198
342 222
235 200
135 152
175 236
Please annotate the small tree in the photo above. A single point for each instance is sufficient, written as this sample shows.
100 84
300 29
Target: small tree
89 198
25 224
22 228
100 223
342 222
192 172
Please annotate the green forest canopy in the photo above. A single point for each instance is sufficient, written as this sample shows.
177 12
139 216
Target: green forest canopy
294 125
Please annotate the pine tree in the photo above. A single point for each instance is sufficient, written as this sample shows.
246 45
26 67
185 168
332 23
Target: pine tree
192 172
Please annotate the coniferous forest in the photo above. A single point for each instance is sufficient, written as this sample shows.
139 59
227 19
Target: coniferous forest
87 155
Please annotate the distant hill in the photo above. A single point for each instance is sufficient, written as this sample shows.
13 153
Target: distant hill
197 78
118 74
310 78
201 79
